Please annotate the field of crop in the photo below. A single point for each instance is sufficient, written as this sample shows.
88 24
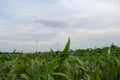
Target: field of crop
89 64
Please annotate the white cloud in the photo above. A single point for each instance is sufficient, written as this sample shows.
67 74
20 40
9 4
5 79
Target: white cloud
3 31
86 22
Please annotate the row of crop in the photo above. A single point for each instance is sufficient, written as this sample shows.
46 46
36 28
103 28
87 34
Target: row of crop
94 64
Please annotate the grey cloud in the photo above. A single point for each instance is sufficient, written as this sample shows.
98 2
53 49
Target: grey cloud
51 23
103 40
96 22
44 20
29 36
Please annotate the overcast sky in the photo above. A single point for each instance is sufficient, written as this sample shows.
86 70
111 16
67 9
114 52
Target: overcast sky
43 24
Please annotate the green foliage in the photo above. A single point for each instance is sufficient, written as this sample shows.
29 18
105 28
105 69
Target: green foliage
66 49
89 64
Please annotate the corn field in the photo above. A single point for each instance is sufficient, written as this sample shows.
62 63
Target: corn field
80 64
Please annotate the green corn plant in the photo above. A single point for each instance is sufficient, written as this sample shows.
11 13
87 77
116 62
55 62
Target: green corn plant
65 53
80 64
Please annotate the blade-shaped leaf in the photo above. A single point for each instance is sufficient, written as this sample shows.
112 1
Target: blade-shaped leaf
67 46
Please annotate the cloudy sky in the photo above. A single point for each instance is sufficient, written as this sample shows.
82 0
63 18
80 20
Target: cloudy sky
43 24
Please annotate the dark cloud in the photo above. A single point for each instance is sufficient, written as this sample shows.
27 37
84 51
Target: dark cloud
51 23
